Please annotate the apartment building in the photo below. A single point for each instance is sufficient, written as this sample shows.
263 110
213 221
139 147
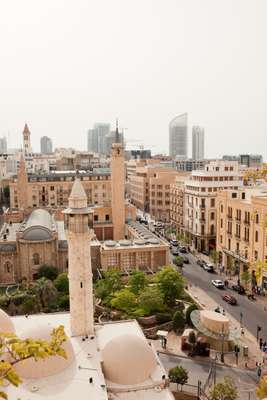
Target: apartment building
200 201
149 190
177 204
241 228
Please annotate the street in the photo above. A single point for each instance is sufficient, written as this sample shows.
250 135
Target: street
253 313
199 369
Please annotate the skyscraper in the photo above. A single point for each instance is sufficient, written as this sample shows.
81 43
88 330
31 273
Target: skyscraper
96 140
178 137
197 143
46 145
3 145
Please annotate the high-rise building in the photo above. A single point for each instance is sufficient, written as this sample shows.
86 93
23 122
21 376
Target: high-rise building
178 137
197 143
96 139
46 145
110 138
3 145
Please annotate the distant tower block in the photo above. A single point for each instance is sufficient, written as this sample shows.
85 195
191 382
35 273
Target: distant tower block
118 188
78 225
27 149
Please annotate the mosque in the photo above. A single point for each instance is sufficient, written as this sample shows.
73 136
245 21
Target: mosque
105 361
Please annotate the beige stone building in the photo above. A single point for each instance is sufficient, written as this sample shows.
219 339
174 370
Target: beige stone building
149 190
177 205
200 196
241 228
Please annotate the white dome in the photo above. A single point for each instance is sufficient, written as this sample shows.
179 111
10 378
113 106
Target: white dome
6 324
128 360
32 369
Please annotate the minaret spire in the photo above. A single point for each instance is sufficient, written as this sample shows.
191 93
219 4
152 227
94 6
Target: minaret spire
117 140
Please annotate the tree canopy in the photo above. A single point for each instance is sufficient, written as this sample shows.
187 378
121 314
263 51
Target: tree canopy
151 300
137 282
62 283
111 283
124 300
262 388
225 390
48 272
178 375
23 349
171 284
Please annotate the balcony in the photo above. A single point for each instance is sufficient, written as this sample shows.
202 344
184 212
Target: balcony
237 237
230 216
238 220
246 222
246 240
202 220
202 206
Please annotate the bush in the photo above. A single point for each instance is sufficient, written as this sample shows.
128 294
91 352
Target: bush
48 272
178 375
29 305
64 301
178 321
62 283
161 318
191 308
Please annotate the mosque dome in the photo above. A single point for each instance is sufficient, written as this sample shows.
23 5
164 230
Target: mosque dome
32 369
128 360
6 324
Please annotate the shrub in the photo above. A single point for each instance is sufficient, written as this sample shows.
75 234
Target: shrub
48 272
62 283
161 318
178 375
191 308
178 321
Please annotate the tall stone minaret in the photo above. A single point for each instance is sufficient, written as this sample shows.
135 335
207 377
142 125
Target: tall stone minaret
78 225
118 188
27 149
22 186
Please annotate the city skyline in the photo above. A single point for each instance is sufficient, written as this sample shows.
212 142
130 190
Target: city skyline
53 82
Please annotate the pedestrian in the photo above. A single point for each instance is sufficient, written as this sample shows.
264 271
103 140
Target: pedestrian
223 312
261 343
242 331
259 370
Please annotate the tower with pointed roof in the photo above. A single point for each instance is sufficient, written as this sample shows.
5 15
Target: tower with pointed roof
78 226
27 149
118 187
22 186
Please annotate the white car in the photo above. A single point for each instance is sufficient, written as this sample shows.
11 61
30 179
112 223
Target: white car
217 283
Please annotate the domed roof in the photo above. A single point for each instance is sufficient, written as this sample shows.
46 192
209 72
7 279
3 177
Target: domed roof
6 324
32 369
39 226
128 360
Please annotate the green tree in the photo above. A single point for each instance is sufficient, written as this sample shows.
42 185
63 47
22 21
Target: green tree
111 283
48 272
179 261
246 278
171 284
262 388
151 300
189 309
45 290
225 390
137 282
178 321
14 350
124 300
62 283
214 256
178 375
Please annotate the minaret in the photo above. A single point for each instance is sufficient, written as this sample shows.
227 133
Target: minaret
22 185
78 225
27 149
118 188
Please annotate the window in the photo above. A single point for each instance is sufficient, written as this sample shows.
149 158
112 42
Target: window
7 267
95 218
256 236
52 188
107 217
257 218
212 202
212 215
36 259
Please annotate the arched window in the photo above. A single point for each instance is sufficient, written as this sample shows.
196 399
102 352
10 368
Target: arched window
8 267
257 218
36 259
256 236
212 231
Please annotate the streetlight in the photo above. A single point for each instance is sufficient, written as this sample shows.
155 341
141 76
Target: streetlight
222 353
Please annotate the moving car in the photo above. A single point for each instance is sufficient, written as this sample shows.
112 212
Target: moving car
201 263
208 267
174 242
229 299
183 249
239 289
175 251
218 283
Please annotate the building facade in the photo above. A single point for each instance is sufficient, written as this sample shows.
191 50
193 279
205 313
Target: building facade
241 230
96 138
178 137
3 145
198 143
46 145
200 201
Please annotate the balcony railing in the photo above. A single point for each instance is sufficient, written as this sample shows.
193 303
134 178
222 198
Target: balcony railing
229 216
246 222
202 206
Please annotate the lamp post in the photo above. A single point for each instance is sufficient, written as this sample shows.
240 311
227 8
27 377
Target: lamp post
222 353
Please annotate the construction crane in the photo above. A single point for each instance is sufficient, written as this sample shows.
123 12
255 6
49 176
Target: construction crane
255 174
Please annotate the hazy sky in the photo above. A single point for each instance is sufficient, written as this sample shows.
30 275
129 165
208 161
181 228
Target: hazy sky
66 64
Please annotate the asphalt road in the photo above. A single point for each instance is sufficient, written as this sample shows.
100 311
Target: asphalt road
253 312
199 369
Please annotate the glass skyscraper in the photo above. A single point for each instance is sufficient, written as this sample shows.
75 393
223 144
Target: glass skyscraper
197 143
178 137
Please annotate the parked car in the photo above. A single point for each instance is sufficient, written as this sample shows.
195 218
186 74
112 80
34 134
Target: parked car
206 252
239 289
229 299
144 221
201 263
175 251
208 267
218 283
183 249
174 242
185 260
